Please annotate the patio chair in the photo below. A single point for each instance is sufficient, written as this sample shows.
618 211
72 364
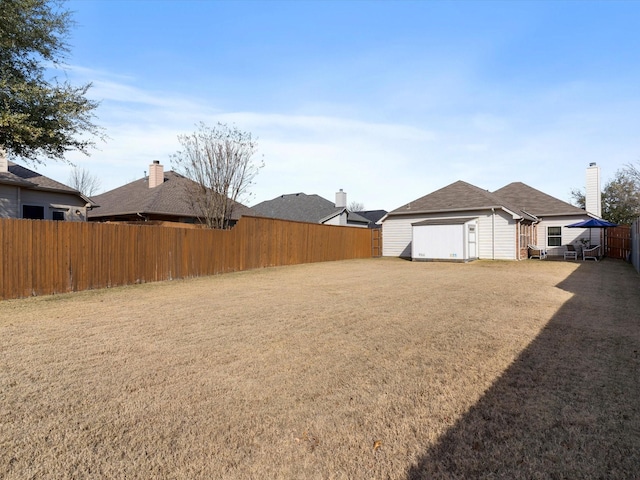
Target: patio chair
591 253
571 253
537 252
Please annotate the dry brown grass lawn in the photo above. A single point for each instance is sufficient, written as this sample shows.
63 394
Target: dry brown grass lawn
356 369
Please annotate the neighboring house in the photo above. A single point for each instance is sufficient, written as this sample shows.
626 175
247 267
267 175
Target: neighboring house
27 194
160 197
301 207
374 216
463 222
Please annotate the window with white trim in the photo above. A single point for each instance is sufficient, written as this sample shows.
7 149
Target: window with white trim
554 236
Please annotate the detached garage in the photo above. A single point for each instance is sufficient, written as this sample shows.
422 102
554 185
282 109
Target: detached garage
453 240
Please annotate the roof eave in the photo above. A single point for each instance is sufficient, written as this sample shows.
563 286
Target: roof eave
32 186
332 215
565 214
379 222
446 210
16 182
139 212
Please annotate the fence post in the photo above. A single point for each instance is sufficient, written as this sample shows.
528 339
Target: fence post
72 256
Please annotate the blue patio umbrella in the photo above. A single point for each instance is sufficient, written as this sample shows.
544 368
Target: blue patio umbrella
593 223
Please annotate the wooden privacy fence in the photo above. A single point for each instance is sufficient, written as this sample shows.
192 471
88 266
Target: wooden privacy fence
41 257
635 244
618 242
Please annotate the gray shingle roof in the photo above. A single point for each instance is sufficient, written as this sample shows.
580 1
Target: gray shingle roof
296 206
515 197
372 215
168 198
352 217
19 175
301 207
534 201
458 196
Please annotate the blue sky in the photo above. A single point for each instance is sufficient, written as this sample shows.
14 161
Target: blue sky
386 100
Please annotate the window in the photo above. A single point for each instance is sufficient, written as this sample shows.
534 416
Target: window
554 236
57 215
33 212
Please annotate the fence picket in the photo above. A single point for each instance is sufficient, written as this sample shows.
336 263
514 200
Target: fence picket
42 257
618 242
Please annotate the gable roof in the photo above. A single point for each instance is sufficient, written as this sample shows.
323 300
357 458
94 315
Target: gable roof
168 198
25 178
296 206
538 203
517 198
458 197
352 217
372 215
301 207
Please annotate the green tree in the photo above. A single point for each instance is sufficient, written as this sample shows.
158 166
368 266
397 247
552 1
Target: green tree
220 161
620 196
40 116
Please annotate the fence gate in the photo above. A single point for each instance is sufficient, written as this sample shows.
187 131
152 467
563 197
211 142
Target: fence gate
376 242
618 242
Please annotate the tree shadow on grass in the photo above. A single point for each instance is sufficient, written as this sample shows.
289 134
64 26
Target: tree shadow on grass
569 405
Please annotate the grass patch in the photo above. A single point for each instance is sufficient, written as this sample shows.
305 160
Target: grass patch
356 369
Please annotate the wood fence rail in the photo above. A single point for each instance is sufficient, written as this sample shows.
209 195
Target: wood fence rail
41 257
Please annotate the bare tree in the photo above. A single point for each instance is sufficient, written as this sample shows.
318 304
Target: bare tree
220 161
633 171
83 181
356 206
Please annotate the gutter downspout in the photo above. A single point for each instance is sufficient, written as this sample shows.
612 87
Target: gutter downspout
493 233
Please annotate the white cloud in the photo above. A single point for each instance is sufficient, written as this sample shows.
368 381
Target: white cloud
382 164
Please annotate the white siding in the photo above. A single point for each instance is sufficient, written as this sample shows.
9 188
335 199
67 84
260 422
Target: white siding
342 220
569 235
334 221
396 236
496 234
593 196
439 242
9 201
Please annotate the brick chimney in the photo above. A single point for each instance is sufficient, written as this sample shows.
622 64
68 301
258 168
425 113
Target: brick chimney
593 194
341 199
156 174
